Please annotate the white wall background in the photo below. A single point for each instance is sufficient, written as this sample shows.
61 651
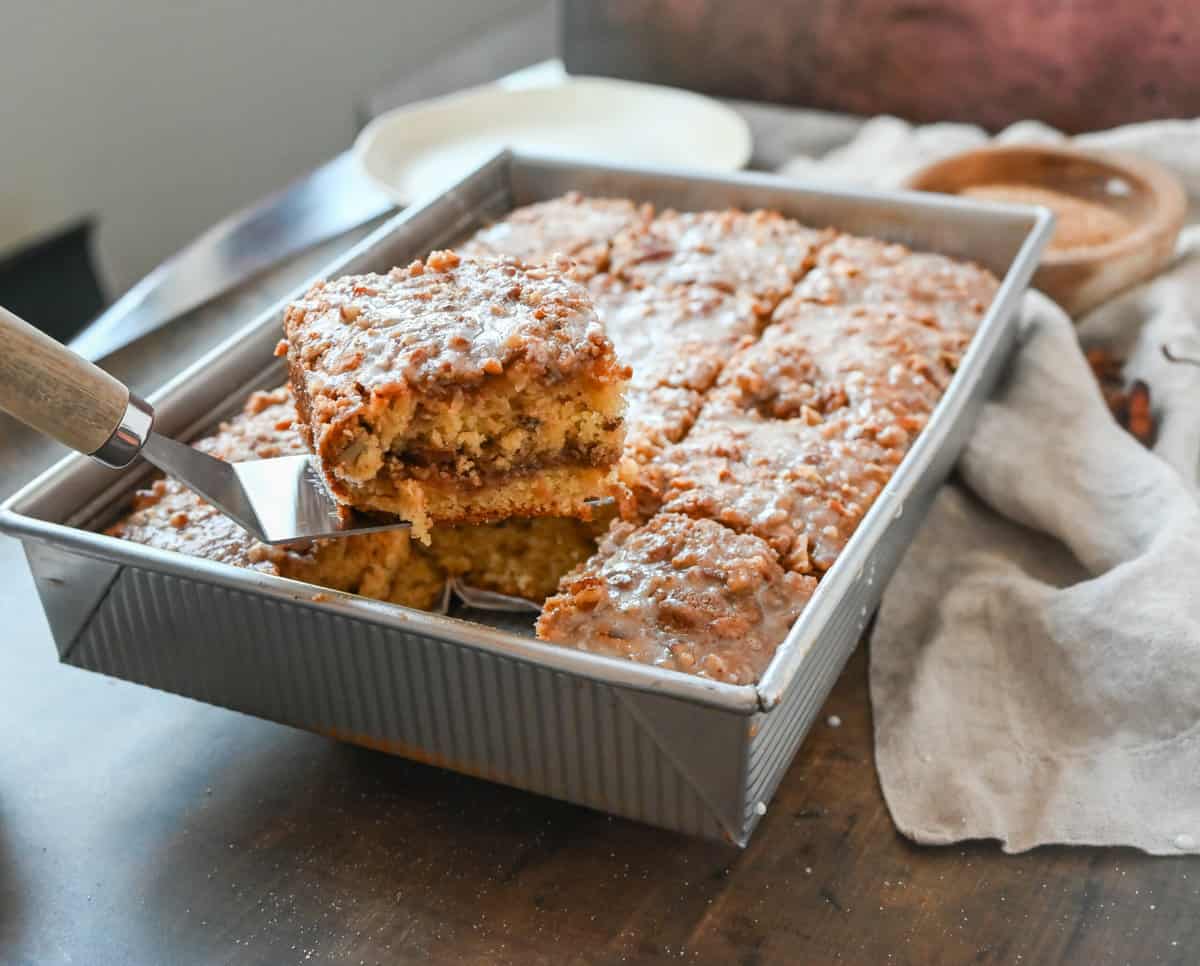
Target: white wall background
162 116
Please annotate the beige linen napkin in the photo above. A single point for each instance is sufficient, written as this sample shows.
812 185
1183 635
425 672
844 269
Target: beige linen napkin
1035 667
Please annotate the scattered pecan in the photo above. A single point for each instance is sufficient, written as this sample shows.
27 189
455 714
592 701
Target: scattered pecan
1129 405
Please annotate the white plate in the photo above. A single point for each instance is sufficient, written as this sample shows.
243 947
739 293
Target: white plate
418 149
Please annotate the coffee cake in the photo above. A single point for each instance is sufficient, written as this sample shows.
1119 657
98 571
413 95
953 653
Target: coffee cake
573 225
680 593
519 557
458 390
925 286
869 363
802 484
761 254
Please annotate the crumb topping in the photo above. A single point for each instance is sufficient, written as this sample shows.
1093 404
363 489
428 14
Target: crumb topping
759 253
868 363
802 488
686 594
575 225
679 336
930 288
439 325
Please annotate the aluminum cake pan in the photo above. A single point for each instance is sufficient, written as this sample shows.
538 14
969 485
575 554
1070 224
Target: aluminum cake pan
75 494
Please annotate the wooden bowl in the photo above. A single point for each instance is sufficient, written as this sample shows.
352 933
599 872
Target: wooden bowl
1118 217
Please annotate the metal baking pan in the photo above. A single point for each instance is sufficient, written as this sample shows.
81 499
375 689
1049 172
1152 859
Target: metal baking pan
474 691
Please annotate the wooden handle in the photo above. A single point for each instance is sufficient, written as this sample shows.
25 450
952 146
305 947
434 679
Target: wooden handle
49 387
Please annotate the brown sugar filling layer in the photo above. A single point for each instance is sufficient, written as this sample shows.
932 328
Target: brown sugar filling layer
499 429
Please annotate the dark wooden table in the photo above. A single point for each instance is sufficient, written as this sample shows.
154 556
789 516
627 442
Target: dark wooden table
138 827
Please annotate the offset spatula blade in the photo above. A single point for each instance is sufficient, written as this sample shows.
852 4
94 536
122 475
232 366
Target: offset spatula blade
280 500
292 502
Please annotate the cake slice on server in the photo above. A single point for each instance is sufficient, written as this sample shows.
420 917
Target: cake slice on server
386 565
458 390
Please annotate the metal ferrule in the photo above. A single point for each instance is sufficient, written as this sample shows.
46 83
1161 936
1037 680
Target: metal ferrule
130 435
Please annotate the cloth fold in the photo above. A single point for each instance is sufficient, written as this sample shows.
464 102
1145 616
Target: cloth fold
1035 666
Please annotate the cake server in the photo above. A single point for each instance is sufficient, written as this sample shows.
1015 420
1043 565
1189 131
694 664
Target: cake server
62 395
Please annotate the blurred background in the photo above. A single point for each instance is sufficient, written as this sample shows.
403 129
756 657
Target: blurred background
155 119
133 125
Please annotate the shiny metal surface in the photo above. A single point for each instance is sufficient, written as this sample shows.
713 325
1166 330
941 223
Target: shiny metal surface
323 204
280 500
130 435
479 694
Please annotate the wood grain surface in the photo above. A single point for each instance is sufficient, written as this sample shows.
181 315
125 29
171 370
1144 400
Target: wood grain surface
139 827
55 391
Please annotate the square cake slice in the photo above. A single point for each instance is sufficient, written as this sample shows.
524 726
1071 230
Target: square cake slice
385 565
679 336
802 485
871 363
573 225
933 288
458 390
759 253
689 595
